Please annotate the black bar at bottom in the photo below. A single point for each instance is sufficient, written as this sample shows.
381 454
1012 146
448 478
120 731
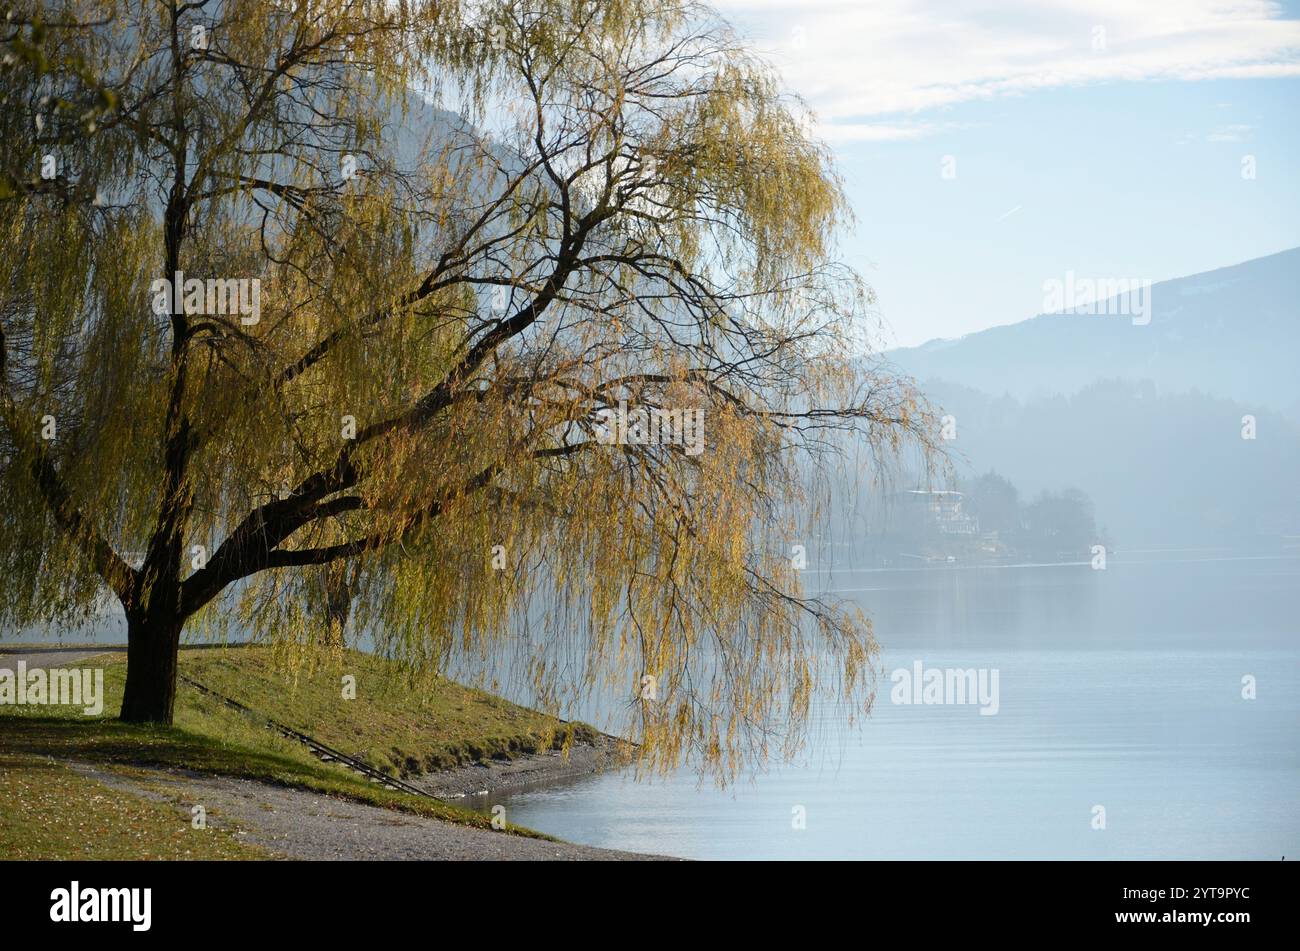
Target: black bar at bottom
211 900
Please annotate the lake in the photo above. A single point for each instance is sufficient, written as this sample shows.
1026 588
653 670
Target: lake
1118 690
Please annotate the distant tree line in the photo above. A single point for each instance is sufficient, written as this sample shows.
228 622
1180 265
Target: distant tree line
979 518
1054 523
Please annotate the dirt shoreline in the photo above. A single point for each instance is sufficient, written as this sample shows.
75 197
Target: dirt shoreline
531 770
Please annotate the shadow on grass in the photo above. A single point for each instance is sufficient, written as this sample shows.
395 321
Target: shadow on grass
108 741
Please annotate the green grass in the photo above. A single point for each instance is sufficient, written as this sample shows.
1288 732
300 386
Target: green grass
399 725
47 811
394 724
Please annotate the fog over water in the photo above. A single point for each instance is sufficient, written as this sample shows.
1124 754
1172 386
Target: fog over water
1120 689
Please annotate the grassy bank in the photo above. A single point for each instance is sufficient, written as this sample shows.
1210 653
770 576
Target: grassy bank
393 723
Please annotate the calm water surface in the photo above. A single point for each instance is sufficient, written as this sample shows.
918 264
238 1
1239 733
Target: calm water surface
1120 688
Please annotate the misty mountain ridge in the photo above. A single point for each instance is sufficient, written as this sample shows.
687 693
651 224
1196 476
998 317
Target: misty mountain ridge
1184 430
1232 332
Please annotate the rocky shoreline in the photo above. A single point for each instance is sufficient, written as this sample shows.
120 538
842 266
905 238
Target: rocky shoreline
496 776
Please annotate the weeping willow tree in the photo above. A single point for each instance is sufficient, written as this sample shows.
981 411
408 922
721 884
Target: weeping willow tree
513 330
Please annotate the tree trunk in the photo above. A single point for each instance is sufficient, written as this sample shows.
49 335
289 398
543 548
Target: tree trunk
152 643
338 602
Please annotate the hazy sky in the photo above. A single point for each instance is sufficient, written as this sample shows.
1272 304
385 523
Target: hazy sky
988 147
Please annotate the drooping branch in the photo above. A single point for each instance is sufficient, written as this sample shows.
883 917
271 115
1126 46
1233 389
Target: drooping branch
117 574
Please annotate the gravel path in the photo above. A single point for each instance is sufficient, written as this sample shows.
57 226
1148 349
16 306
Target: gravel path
303 825
35 657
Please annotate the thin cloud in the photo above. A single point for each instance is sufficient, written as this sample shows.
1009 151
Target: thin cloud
879 131
1230 133
855 62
